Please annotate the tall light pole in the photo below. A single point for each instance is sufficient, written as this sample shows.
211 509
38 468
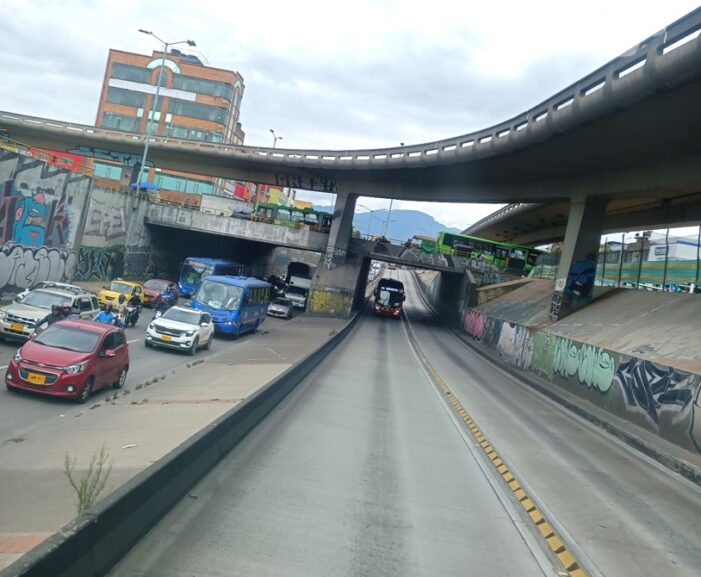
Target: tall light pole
389 213
371 213
154 102
275 137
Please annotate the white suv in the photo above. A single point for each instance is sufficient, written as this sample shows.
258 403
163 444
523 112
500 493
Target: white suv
19 319
180 328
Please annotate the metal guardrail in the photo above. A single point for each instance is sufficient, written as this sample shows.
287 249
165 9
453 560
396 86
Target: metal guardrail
657 59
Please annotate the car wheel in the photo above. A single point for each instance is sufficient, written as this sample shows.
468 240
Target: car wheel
193 348
85 392
209 342
119 383
147 344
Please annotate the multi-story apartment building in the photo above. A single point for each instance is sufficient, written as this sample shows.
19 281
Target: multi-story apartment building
195 102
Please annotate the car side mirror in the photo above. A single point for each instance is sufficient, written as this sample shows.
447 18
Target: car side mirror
108 354
17 298
203 324
158 314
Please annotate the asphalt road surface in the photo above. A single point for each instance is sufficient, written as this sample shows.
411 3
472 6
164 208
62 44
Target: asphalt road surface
363 471
20 413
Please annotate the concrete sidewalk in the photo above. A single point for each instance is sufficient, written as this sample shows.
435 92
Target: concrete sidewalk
138 426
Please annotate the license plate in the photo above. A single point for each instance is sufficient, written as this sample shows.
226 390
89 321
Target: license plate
165 338
16 327
36 379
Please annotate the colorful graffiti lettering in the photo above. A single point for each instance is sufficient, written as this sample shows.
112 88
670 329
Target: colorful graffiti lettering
593 366
22 267
474 324
93 264
102 154
543 356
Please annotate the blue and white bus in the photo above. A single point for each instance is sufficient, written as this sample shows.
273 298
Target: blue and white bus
237 305
195 269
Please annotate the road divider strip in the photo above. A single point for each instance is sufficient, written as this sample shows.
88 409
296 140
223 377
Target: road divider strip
569 562
94 542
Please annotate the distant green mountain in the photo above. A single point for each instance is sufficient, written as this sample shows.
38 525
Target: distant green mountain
403 223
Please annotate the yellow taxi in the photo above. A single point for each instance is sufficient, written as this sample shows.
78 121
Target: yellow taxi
110 294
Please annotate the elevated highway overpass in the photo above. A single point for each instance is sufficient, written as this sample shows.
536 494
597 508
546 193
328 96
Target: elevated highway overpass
627 129
626 133
540 223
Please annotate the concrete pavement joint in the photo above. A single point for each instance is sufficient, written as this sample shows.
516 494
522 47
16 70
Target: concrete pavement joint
568 561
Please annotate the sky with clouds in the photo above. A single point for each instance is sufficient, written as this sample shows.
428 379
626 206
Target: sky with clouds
333 75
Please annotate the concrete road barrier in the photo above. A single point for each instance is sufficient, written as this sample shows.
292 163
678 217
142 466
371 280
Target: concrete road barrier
93 543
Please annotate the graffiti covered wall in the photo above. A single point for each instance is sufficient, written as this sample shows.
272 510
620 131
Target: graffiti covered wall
662 399
41 205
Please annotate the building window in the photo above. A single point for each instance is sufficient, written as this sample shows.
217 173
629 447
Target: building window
200 86
126 97
179 184
187 133
119 122
108 171
132 73
179 107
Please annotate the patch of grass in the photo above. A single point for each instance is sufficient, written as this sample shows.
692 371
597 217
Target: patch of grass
16 440
95 406
139 387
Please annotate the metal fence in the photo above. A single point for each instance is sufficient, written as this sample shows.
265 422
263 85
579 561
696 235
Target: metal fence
666 261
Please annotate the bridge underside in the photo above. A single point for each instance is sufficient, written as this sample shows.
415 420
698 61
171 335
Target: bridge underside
543 223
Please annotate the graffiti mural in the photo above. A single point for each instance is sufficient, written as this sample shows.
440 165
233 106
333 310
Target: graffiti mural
40 204
93 264
334 257
105 221
543 354
515 345
22 267
593 366
474 324
655 389
662 399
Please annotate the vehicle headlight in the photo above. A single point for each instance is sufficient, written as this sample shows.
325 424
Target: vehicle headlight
75 369
151 326
18 357
190 333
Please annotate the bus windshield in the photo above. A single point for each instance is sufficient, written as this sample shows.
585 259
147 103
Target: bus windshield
219 296
194 273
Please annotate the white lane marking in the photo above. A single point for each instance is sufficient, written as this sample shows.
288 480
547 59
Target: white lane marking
133 341
4 367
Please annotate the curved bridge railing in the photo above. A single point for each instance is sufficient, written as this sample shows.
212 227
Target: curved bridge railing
665 59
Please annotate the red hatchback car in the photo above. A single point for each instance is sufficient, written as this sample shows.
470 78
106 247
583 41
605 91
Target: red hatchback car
71 359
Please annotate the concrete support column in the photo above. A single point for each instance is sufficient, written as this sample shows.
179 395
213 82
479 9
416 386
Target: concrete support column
580 252
341 230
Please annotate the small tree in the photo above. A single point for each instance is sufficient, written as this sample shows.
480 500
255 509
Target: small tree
89 486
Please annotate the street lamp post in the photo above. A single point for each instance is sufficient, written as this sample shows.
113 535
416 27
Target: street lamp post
275 137
154 102
389 213
371 213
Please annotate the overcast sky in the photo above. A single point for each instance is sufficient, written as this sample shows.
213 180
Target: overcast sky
333 75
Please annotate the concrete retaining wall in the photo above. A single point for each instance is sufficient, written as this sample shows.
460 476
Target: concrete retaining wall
94 542
657 397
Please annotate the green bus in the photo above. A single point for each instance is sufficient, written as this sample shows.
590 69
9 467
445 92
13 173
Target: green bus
515 258
292 217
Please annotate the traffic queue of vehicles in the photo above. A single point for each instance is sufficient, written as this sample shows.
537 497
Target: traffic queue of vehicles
73 357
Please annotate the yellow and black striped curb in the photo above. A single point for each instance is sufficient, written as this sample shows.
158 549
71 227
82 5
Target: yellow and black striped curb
554 543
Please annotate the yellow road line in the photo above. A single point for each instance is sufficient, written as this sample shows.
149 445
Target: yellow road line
564 556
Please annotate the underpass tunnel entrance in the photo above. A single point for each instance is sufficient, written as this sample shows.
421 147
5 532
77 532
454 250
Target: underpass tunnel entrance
170 247
297 268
